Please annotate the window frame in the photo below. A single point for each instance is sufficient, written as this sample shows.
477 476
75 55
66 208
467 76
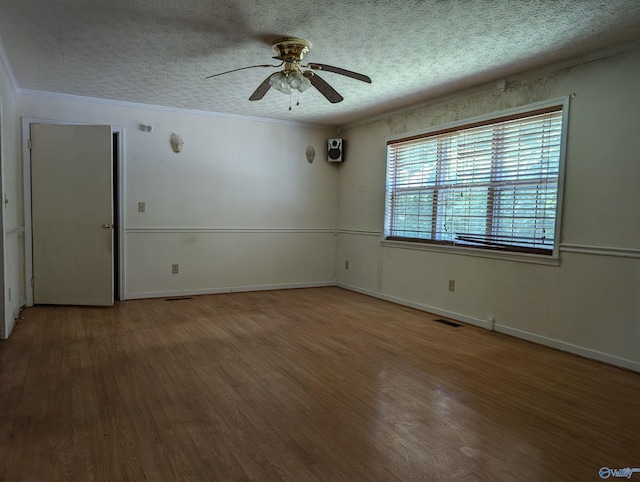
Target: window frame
494 117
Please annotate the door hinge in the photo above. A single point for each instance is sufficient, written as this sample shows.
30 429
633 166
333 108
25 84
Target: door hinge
30 144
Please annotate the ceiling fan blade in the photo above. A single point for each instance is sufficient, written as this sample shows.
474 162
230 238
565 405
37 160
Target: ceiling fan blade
241 68
262 89
325 89
338 70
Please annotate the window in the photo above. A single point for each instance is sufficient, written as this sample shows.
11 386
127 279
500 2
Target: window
489 185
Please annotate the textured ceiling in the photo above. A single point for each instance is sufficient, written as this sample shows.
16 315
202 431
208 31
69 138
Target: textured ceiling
160 51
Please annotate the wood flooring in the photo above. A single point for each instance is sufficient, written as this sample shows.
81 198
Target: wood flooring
301 385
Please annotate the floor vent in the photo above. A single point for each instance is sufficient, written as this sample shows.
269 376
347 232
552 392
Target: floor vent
448 323
179 299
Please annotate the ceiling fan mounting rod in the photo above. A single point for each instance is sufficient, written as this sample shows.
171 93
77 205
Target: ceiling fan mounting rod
291 67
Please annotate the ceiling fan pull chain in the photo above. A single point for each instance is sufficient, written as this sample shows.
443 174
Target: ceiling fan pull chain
290 94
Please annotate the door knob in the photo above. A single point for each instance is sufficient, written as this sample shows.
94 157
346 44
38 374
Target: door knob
106 226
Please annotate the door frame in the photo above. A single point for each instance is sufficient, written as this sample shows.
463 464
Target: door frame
4 320
118 216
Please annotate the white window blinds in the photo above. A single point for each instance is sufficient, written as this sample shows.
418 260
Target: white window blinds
491 185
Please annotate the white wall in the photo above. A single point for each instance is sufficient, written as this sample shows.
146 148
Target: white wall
590 304
239 208
12 297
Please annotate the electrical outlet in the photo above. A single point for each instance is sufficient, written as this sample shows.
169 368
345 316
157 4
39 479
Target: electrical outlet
175 269
346 264
452 285
141 207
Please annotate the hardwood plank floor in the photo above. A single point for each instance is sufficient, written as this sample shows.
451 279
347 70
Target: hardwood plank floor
313 384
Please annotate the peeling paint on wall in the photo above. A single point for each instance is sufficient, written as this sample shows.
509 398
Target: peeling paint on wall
564 305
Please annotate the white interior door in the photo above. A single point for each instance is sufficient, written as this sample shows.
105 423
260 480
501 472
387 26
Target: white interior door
72 214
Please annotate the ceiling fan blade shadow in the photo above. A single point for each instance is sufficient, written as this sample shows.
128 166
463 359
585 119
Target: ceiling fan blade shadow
338 70
262 89
203 30
325 89
241 68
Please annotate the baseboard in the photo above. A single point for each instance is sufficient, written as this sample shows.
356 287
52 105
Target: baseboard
235 289
525 335
569 348
419 306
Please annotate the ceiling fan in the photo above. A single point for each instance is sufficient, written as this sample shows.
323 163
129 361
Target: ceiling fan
292 78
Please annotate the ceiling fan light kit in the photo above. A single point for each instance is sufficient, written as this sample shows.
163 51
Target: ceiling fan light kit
291 51
286 83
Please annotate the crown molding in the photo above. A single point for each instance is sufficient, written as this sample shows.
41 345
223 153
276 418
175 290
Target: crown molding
4 60
160 108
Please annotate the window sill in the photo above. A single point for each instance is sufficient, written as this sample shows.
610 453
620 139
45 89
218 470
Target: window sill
553 260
